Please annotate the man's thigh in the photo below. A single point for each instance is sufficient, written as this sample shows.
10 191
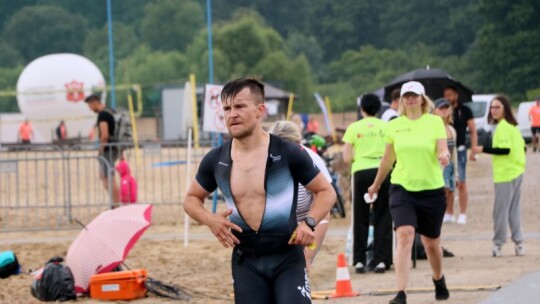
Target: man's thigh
250 286
291 286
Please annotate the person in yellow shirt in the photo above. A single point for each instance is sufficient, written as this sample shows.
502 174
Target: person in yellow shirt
534 118
508 150
417 141
364 147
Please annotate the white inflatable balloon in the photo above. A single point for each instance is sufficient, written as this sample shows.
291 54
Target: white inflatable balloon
53 88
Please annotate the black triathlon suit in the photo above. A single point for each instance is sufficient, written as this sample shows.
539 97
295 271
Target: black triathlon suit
265 268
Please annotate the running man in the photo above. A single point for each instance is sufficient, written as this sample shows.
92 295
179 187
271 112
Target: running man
258 174
534 118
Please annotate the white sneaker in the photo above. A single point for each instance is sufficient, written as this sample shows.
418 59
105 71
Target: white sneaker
462 219
497 251
359 268
380 268
520 250
448 218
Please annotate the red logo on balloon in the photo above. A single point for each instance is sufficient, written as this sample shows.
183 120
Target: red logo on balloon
74 91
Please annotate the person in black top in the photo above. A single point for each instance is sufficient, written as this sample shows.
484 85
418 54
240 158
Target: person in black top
109 153
258 174
463 119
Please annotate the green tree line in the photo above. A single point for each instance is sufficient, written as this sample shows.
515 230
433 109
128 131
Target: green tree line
338 48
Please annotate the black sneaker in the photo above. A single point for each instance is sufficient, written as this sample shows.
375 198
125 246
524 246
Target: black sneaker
441 292
401 298
446 253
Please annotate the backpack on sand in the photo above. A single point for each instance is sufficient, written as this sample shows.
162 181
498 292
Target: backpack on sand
123 132
8 264
54 282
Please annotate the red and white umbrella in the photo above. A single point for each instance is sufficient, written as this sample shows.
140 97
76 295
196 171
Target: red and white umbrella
106 241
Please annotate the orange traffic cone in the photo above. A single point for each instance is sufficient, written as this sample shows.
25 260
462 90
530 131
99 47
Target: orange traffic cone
343 280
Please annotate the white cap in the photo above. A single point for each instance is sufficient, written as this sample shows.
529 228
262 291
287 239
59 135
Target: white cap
413 87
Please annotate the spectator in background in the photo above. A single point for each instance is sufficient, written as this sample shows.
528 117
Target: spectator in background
110 153
128 184
443 109
288 130
26 133
534 118
508 150
417 140
312 126
61 131
391 112
463 119
364 148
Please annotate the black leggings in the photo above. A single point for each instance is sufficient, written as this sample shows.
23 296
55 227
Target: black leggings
271 279
382 221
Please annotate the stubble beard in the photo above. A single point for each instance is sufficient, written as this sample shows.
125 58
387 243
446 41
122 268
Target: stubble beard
242 133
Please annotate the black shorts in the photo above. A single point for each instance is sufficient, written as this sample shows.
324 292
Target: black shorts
535 130
279 278
423 210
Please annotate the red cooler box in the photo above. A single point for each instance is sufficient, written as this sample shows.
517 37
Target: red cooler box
120 285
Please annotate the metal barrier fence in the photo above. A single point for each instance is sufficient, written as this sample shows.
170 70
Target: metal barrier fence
47 186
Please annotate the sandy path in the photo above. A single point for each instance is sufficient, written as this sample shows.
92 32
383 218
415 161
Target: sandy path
204 266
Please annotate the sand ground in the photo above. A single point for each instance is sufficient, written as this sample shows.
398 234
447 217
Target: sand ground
204 268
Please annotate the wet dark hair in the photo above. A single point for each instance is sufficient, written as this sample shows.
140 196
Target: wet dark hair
93 97
507 108
370 103
233 87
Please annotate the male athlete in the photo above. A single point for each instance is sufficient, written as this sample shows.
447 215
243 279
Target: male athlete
258 174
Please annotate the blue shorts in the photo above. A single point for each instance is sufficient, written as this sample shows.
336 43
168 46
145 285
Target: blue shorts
462 164
449 178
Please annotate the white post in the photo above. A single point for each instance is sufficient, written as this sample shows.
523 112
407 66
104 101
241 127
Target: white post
188 179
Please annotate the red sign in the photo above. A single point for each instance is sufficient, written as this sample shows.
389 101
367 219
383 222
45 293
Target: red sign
74 91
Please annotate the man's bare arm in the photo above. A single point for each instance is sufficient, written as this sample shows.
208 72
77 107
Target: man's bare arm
218 223
104 135
324 199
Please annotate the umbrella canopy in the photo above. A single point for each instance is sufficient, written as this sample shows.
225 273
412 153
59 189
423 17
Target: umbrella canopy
434 81
106 242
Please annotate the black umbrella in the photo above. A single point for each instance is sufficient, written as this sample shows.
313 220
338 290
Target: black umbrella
434 81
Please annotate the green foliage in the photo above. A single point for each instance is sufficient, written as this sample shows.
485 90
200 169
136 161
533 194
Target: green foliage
96 45
147 67
9 56
170 25
8 77
339 48
38 30
506 51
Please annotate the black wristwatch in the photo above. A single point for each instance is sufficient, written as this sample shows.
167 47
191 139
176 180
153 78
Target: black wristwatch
310 222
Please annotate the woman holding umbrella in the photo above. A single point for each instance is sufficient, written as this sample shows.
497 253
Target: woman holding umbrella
417 140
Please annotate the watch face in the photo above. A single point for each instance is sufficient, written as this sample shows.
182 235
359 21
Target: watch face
310 222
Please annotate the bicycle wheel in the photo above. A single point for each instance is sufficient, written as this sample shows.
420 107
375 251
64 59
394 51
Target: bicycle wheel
339 206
